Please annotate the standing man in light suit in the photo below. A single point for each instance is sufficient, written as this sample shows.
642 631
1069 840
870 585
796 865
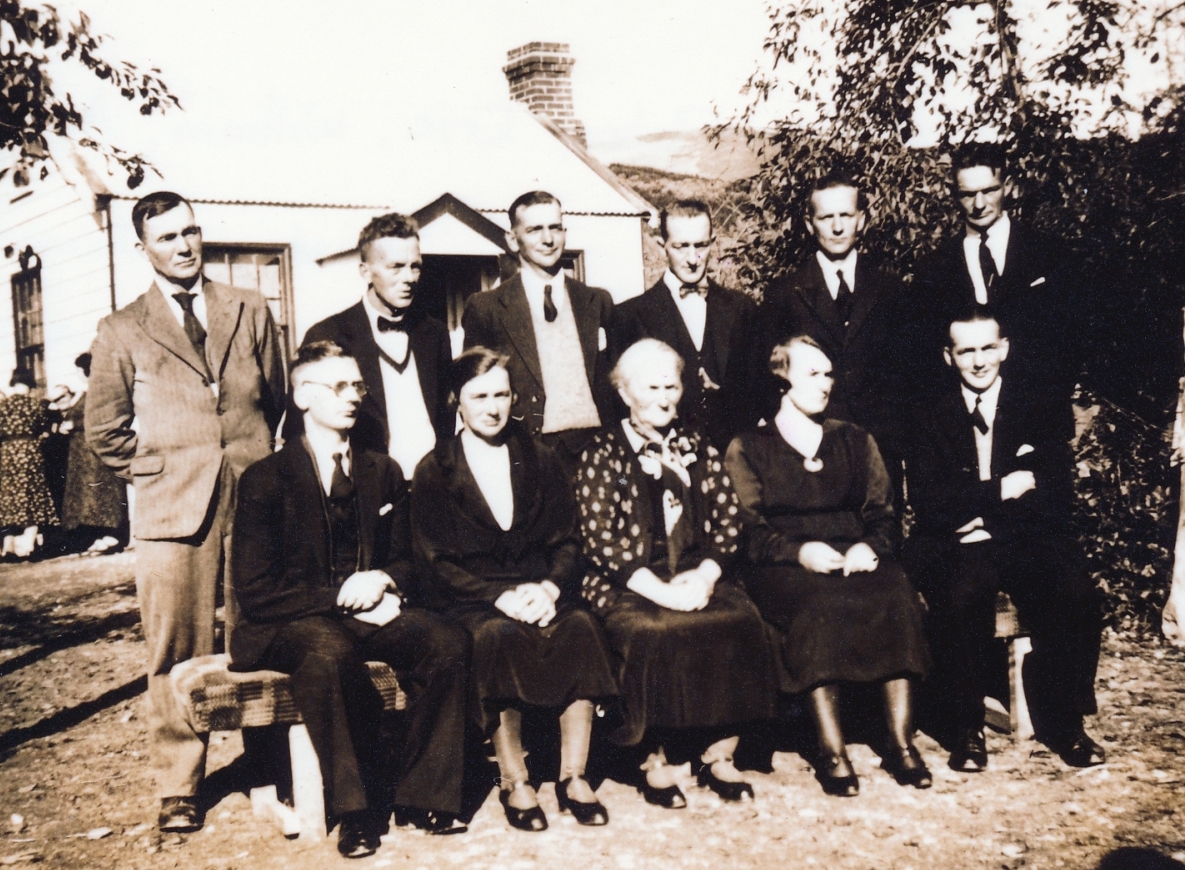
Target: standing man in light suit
554 329
186 391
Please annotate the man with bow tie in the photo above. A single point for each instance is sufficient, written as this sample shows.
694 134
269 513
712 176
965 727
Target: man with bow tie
1003 262
843 299
322 551
403 352
186 391
990 481
712 328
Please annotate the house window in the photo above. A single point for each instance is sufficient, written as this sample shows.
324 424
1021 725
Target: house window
266 268
27 317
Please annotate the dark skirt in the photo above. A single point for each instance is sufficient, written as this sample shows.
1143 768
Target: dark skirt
94 495
706 668
830 628
517 664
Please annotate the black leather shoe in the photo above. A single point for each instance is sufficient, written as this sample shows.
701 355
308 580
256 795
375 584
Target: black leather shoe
585 814
356 836
970 752
525 820
669 798
836 786
729 791
179 815
1078 750
433 822
907 767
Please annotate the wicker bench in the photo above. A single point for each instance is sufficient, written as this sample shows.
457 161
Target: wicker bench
215 698
1015 720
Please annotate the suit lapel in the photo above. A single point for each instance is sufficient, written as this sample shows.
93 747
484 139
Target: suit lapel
865 293
223 318
519 327
960 431
720 319
418 343
160 324
360 341
664 321
366 481
307 494
587 323
817 297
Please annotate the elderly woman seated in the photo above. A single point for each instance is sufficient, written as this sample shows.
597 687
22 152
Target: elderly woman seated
817 507
660 531
494 525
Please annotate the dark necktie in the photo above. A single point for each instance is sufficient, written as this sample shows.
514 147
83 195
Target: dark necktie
978 419
687 289
193 326
987 264
549 309
386 324
843 298
340 485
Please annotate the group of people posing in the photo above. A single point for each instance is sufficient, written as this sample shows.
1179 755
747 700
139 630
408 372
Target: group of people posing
668 512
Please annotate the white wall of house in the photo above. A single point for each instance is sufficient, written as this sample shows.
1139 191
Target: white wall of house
59 221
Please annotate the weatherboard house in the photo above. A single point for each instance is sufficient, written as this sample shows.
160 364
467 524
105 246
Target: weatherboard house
285 221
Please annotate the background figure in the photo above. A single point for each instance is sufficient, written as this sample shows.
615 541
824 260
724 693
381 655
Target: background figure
711 327
55 446
494 527
26 505
95 503
817 507
660 526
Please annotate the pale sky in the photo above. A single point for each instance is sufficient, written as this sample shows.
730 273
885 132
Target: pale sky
273 68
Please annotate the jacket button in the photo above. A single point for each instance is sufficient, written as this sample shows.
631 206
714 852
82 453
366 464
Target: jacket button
221 411
223 443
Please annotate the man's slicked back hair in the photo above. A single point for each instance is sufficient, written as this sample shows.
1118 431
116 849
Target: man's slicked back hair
837 177
971 154
152 205
387 226
314 352
973 312
533 197
683 208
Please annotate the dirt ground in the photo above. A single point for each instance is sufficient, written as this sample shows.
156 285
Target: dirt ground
76 789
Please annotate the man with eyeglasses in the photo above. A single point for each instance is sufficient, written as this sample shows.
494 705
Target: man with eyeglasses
402 351
186 390
711 327
322 553
1006 264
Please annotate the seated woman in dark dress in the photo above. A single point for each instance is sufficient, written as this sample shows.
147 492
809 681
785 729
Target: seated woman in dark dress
660 530
494 524
817 506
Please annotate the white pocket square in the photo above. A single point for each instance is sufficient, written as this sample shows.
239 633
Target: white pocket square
386 509
1040 280
1025 448
602 339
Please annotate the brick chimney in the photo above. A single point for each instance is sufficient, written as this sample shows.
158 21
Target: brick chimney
540 75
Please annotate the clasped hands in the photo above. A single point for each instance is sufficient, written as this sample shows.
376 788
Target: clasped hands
370 597
686 591
532 603
824 559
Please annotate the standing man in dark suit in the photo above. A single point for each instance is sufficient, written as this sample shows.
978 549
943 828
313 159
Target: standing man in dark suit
322 553
846 302
1004 263
402 352
554 329
186 390
711 327
990 480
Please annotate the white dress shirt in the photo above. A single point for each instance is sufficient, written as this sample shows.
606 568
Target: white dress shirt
997 245
490 465
322 445
199 303
831 269
393 343
989 400
692 307
533 286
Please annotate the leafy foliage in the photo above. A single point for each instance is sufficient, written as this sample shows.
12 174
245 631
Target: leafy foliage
30 110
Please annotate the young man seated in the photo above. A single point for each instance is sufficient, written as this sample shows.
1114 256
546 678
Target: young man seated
989 478
322 562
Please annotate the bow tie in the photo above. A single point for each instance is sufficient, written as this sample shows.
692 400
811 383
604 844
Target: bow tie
386 324
687 289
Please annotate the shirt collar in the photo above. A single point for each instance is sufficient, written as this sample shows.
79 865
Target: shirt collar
675 284
373 313
533 285
997 233
631 434
848 264
989 399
